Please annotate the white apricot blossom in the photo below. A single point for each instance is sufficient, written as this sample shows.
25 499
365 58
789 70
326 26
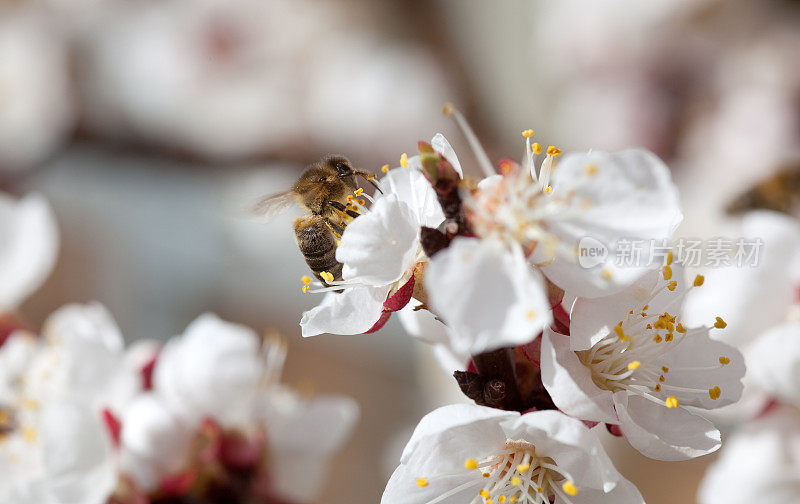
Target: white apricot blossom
223 372
585 201
630 361
29 247
380 251
467 453
54 392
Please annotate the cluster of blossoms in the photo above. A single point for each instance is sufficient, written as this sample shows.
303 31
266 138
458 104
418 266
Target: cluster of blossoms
202 418
484 270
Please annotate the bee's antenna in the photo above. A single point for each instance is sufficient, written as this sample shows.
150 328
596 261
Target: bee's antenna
369 178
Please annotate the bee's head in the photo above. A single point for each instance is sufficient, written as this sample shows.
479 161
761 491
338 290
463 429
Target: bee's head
340 164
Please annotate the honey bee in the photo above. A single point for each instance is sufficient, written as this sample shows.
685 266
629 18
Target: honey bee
322 190
779 192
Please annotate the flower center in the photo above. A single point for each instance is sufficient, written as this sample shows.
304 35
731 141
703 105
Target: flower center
515 474
632 356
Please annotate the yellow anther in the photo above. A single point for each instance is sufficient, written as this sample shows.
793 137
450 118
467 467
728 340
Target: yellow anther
536 148
527 133
422 482
350 198
486 475
698 280
671 285
714 393
404 160
665 369
523 467
305 289
515 481
471 463
358 191
484 494
724 361
590 170
720 324
512 499
327 276
553 150
362 201
502 498
668 337
658 387
671 402
548 190
670 257
447 109
29 434
657 338
620 334
680 328
634 365
570 488
306 280
385 168
667 272
662 379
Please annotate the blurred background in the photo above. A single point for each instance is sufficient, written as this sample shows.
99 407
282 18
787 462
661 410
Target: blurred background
148 123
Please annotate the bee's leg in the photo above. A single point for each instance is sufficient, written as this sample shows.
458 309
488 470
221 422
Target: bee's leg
369 178
336 229
342 208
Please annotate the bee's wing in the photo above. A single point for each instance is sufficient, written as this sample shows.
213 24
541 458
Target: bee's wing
267 207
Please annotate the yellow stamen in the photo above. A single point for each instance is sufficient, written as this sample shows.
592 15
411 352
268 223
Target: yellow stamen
385 168
680 328
422 482
447 109
570 488
669 257
548 190
404 160
327 276
523 467
634 365
665 369
305 289
553 150
671 286
527 133
714 393
536 148
698 280
502 498
667 272
720 324
471 463
306 280
724 361
658 387
486 475
515 481
671 402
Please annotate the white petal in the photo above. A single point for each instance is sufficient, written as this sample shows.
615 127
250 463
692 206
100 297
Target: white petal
402 488
442 146
662 433
212 370
768 289
303 436
570 383
379 247
29 248
630 195
90 322
411 187
764 456
698 350
570 443
422 324
447 436
592 319
352 311
488 296
774 362
153 440
78 460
